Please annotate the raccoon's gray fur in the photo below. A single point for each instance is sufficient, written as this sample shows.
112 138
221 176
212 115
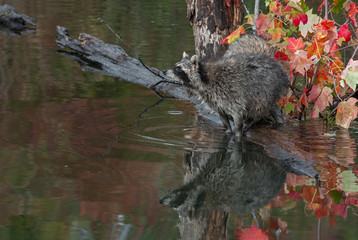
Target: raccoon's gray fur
250 43
243 87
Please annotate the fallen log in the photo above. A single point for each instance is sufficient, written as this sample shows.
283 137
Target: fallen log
94 55
13 23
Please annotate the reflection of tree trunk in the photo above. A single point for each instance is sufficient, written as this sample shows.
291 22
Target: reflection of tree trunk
204 225
212 20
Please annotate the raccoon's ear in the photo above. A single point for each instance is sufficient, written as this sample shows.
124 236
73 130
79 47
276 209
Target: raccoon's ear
185 55
194 60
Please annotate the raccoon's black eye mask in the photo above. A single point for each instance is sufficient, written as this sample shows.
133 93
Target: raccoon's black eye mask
181 74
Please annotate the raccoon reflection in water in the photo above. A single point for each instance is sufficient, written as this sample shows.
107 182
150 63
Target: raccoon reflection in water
234 179
243 85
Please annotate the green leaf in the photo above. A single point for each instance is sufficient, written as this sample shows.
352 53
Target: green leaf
350 74
338 5
289 107
336 196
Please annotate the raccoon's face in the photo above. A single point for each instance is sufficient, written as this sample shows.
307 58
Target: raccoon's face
185 71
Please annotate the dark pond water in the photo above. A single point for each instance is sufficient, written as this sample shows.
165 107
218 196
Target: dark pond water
86 156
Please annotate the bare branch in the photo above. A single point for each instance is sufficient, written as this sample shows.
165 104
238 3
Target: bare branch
252 20
140 60
326 9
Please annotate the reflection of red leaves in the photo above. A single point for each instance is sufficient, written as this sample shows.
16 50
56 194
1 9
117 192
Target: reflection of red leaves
320 211
276 224
253 233
311 195
294 195
346 112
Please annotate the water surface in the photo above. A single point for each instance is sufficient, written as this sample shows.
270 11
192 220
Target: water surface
86 156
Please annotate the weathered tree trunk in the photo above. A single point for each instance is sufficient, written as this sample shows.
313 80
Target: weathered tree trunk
212 20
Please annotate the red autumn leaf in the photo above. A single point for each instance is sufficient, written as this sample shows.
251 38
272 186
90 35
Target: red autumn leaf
327 24
352 13
344 33
299 62
277 31
234 35
322 78
316 48
263 22
300 18
303 98
325 99
334 48
276 8
336 66
346 112
295 44
296 21
281 56
314 93
304 18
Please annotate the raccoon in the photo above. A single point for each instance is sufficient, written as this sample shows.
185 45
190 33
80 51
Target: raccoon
242 87
250 43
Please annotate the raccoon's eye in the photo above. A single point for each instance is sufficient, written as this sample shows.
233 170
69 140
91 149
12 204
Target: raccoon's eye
178 70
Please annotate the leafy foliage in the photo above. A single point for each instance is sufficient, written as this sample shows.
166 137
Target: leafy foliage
310 47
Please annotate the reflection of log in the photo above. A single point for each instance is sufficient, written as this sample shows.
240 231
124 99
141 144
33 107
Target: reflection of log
94 55
13 23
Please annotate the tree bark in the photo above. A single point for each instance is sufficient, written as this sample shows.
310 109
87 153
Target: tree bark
212 20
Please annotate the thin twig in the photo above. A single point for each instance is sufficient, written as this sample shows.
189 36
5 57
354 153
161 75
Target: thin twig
314 75
164 80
